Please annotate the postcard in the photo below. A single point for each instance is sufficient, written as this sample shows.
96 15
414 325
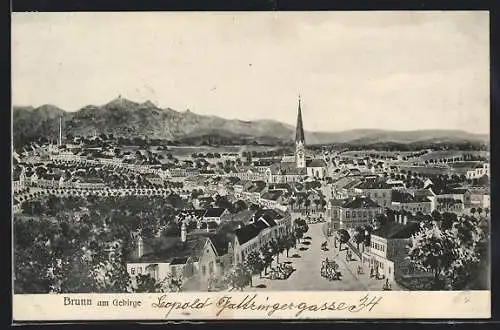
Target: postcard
250 165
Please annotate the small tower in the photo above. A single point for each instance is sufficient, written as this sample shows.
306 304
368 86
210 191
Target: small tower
140 247
300 154
183 232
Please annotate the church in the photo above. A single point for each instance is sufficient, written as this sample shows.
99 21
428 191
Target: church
300 167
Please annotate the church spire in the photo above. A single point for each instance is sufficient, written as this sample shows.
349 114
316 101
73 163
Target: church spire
299 133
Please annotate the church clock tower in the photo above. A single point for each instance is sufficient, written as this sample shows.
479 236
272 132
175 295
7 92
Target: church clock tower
300 152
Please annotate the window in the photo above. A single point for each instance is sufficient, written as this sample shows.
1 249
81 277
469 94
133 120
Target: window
203 270
139 270
347 214
132 271
353 215
365 214
211 267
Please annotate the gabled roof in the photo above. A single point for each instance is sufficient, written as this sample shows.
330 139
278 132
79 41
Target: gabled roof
246 233
214 212
267 214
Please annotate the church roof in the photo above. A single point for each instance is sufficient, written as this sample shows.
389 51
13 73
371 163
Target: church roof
299 132
315 163
287 168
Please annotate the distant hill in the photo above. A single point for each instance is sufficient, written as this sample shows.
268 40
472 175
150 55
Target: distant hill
122 117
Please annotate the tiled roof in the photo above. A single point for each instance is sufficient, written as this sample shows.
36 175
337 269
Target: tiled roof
360 202
272 195
287 168
246 233
315 163
214 212
397 230
403 197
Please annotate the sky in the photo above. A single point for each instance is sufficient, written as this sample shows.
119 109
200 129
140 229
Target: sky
385 70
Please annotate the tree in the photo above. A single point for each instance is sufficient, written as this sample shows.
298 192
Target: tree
147 284
479 211
473 211
275 249
343 237
267 256
290 242
255 263
239 277
359 236
451 254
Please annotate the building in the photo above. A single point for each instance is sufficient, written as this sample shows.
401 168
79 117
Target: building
386 255
355 212
478 171
265 225
214 214
189 257
404 201
377 190
301 167
274 199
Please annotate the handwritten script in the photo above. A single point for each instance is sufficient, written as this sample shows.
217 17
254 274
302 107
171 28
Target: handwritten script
265 306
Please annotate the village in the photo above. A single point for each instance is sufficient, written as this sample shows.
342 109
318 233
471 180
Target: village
315 219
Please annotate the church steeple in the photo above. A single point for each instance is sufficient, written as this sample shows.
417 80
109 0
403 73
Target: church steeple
300 156
299 131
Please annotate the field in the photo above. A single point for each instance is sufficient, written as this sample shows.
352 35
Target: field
451 153
426 169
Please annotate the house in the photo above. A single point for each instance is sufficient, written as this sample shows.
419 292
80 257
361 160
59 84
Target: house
377 190
190 257
316 168
274 199
355 212
404 201
285 172
478 171
190 216
214 214
265 225
386 255
480 197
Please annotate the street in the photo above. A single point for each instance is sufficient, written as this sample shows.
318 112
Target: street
307 269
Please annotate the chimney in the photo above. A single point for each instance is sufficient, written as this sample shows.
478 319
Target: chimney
405 220
183 232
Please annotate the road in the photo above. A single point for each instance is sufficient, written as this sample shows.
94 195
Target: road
307 274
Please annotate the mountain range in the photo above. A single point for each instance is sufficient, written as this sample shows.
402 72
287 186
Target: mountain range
122 117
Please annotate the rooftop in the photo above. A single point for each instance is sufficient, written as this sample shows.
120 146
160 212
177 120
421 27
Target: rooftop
360 202
396 230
